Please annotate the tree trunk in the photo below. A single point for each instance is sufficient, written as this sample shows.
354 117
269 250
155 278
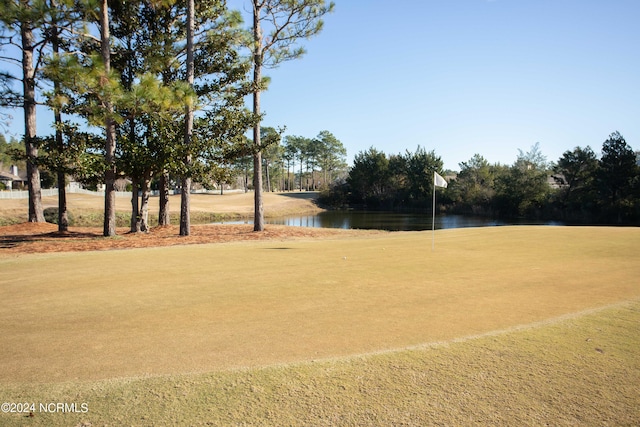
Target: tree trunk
258 215
266 169
63 215
110 128
185 197
135 208
284 184
143 217
246 179
163 215
109 193
300 174
185 207
36 213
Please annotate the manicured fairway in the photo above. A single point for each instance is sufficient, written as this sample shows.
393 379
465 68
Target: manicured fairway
582 369
99 315
497 326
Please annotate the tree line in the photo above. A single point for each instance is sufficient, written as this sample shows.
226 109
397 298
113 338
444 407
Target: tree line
290 163
146 89
581 187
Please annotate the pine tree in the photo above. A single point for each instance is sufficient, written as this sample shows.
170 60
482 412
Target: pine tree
287 22
24 19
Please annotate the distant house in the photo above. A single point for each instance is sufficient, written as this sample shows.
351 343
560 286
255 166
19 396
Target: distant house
13 179
557 181
121 184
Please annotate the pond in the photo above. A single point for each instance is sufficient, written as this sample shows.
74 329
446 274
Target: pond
392 221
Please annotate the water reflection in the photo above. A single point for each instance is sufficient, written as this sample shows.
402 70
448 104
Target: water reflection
392 221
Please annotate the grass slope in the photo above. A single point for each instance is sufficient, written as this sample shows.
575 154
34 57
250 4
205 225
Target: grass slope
578 371
88 210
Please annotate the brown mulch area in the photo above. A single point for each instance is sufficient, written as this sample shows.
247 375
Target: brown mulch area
44 237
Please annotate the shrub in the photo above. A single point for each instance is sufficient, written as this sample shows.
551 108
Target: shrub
51 215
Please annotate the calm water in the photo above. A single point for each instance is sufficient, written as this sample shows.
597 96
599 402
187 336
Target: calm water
391 221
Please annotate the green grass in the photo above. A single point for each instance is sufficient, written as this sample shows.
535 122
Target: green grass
373 330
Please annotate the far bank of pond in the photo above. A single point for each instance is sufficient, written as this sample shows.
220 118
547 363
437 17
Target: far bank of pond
393 221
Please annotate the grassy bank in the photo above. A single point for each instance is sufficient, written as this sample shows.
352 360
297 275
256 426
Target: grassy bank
87 210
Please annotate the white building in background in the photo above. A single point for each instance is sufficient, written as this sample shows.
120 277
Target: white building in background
13 179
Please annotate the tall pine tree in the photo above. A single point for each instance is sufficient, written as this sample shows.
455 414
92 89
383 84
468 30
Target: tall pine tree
286 22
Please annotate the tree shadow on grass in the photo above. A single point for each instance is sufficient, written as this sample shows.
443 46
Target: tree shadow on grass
13 240
306 195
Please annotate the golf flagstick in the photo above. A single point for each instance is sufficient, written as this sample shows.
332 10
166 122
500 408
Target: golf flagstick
433 215
438 181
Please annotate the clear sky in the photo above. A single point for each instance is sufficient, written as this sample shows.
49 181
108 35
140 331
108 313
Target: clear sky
466 76
462 77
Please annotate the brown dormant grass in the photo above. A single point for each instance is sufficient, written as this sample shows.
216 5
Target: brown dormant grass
577 370
197 308
87 210
357 330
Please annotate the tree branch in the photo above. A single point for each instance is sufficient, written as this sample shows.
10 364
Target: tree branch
10 60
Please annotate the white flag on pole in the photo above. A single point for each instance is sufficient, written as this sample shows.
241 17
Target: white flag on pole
439 181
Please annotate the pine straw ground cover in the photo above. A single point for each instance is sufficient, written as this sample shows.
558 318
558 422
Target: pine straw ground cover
45 238
499 326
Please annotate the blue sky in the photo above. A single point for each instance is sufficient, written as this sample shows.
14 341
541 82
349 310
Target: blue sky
466 76
461 77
